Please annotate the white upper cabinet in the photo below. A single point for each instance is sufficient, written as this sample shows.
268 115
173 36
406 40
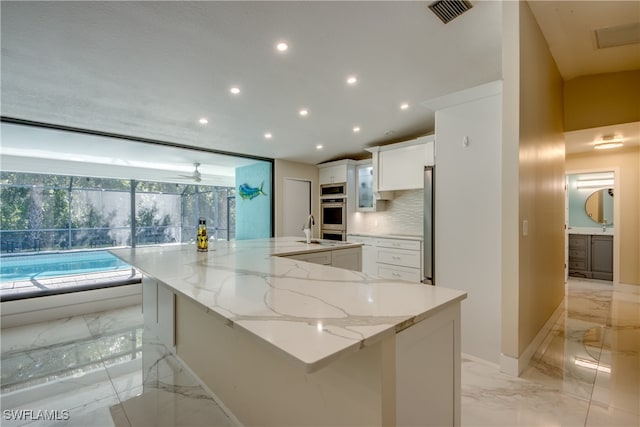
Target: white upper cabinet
332 174
401 166
365 198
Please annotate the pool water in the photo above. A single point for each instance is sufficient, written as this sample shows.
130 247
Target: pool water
28 267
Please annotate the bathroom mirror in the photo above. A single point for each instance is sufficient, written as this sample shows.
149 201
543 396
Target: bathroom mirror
599 206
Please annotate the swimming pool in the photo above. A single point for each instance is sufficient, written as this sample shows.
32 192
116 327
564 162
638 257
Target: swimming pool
28 267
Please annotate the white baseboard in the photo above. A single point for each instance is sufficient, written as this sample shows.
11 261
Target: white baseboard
515 366
44 309
480 360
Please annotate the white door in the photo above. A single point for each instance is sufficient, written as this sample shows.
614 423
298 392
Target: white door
296 206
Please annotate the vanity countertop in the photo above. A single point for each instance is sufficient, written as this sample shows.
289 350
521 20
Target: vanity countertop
596 231
312 313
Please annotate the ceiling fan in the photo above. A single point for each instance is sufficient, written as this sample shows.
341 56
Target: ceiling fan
195 175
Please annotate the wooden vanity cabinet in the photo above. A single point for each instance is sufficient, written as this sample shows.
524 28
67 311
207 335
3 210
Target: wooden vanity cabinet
591 256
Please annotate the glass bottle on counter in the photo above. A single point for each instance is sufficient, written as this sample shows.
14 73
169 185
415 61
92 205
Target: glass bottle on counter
203 238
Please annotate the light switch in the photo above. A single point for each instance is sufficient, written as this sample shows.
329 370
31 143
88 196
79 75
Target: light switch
525 227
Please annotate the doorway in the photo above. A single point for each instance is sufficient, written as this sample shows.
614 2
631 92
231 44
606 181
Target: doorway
592 215
296 205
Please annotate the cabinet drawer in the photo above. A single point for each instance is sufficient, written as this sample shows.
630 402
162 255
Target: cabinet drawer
577 264
399 257
399 273
577 253
578 241
413 245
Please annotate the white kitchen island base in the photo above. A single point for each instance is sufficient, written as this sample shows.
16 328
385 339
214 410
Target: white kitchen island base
411 378
284 342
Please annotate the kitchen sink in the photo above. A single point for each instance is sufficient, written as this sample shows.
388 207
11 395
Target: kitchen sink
318 242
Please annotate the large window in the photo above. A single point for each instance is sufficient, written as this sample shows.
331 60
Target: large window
67 195
52 212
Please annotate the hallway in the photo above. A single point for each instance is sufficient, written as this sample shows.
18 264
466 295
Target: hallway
585 373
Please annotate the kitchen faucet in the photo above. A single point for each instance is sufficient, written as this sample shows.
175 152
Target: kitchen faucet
307 226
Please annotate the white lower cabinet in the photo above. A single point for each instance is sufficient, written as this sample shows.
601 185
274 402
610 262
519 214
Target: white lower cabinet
395 272
347 258
369 253
158 310
390 258
350 258
323 257
400 257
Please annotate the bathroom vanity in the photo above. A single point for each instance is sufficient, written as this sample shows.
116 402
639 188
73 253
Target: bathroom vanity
590 254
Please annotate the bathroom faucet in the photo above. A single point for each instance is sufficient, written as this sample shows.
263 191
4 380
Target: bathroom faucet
306 227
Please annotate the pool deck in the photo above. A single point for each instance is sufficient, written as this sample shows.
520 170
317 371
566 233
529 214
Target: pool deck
58 285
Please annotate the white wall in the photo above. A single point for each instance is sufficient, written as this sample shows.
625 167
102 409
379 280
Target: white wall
287 169
468 213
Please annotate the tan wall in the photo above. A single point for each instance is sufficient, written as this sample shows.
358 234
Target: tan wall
627 163
510 179
287 169
602 100
540 254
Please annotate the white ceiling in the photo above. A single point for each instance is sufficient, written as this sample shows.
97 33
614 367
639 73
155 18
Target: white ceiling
152 69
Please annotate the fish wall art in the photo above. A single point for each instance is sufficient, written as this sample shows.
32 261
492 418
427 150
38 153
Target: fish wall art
249 193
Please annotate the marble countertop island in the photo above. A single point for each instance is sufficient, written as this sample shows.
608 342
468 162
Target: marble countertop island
311 313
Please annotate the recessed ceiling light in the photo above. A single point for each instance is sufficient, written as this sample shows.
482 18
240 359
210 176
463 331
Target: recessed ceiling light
352 80
319 147
235 90
268 135
303 112
282 46
203 121
404 106
356 129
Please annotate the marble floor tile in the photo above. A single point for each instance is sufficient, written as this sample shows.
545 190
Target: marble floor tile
610 417
77 396
178 407
490 398
106 371
586 372
111 321
44 334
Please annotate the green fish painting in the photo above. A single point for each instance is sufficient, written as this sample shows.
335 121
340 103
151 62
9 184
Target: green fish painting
250 193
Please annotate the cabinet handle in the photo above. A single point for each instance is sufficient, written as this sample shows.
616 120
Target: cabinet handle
395 257
395 274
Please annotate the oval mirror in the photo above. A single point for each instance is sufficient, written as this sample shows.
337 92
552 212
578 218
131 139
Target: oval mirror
599 206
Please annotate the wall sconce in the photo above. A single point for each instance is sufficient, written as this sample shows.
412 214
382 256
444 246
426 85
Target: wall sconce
594 183
609 141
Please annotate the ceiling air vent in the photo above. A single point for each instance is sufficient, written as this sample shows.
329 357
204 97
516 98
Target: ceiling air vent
618 36
447 10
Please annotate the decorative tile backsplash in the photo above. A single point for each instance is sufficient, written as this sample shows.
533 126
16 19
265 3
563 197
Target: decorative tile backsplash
402 215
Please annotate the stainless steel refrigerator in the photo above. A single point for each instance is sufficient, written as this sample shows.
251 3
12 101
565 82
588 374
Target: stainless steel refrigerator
429 241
